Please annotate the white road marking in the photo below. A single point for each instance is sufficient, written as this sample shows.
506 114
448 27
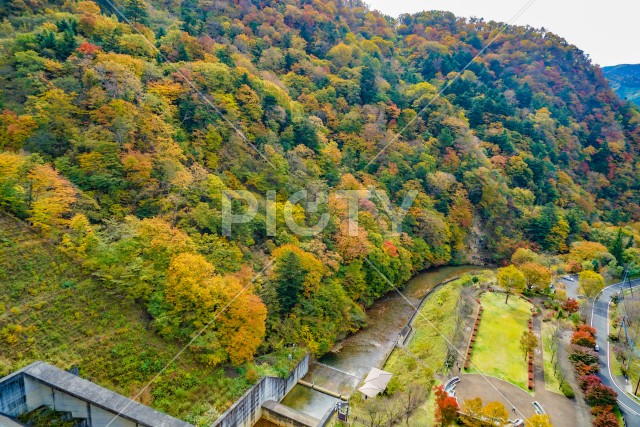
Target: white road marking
608 352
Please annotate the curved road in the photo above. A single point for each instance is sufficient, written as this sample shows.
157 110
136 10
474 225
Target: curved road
600 320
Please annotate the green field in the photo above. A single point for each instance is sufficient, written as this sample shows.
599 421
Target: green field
427 350
632 364
497 349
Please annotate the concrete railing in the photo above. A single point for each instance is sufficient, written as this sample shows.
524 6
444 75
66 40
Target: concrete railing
327 417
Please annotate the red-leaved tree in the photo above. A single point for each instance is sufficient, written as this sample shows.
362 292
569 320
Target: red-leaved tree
446 407
606 419
588 329
600 395
571 305
588 380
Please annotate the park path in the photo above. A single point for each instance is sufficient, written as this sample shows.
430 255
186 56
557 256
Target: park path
583 412
563 411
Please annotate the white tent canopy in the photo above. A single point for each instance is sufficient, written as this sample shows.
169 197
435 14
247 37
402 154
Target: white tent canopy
375 383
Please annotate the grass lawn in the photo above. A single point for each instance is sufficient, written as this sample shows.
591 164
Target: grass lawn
633 365
551 383
497 350
616 368
425 415
427 350
429 345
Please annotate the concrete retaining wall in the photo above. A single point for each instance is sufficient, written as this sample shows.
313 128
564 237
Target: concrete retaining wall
13 400
248 409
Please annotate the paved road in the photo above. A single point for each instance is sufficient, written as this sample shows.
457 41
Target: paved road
600 320
492 389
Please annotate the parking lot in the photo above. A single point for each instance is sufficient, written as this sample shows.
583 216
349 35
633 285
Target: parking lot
571 287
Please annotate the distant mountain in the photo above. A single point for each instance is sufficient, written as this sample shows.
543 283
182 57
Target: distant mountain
625 80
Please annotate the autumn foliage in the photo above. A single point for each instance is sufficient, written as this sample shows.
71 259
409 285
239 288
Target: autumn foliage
230 317
446 408
571 305
122 141
584 339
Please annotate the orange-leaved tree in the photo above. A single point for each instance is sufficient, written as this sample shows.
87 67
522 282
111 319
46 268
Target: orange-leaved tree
446 409
226 318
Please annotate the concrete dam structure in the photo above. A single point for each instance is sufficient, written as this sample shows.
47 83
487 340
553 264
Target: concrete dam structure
42 385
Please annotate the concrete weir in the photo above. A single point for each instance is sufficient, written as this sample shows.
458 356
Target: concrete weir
323 390
250 408
286 417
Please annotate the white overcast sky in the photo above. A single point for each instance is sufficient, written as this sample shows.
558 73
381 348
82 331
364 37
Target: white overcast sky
608 30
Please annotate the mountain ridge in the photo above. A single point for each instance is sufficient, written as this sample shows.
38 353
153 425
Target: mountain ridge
625 80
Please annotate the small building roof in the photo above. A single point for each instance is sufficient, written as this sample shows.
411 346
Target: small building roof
99 396
376 382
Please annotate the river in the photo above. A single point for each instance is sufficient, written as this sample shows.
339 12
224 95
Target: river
352 358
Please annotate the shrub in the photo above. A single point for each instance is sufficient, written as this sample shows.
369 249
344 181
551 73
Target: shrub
606 420
68 284
584 339
582 369
600 395
588 329
571 305
393 387
567 390
597 410
582 354
587 381
251 376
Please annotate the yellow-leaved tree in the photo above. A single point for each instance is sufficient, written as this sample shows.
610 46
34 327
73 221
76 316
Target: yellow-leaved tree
226 319
591 283
536 274
511 280
51 198
539 421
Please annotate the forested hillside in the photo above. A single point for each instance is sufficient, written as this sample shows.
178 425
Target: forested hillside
122 123
625 80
